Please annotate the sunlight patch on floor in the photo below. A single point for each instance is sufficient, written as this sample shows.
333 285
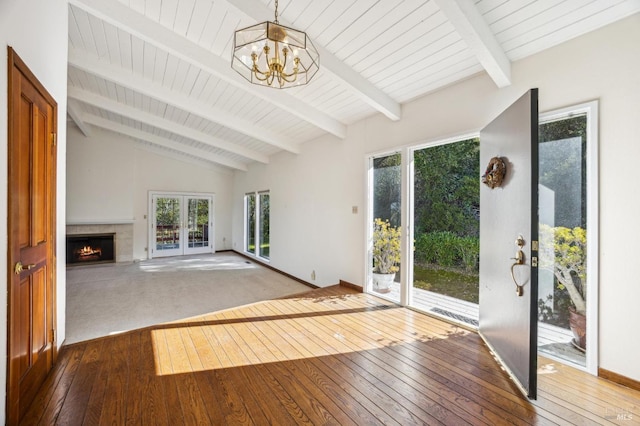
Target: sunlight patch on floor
196 263
240 337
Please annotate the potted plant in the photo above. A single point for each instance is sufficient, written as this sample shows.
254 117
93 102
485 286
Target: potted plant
563 252
386 254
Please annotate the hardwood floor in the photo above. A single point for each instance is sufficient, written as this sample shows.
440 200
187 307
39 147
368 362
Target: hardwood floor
330 356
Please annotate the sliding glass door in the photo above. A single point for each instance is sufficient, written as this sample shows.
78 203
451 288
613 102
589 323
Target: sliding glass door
181 224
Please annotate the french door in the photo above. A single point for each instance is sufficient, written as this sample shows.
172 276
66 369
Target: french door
181 224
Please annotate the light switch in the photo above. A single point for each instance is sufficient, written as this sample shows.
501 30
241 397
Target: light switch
354 209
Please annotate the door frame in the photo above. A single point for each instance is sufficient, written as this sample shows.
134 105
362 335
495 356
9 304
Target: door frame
151 219
14 61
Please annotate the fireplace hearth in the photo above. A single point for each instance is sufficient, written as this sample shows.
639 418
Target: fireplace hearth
86 249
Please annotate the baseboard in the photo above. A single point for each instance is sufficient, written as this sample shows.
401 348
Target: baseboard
619 379
266 265
347 284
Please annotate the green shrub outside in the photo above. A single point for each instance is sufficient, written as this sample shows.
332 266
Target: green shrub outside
447 250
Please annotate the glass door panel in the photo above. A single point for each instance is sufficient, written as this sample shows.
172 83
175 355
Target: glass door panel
197 225
168 217
386 193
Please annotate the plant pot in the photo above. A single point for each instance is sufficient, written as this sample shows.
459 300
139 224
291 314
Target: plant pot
382 282
578 325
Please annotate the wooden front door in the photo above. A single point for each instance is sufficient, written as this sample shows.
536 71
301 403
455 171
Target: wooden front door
32 238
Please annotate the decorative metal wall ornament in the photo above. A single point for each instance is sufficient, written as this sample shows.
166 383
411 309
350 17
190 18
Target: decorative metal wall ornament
273 55
494 174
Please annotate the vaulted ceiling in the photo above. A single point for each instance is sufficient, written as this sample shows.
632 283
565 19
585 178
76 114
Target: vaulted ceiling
159 71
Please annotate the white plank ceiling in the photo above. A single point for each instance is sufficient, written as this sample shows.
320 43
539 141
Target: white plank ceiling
159 71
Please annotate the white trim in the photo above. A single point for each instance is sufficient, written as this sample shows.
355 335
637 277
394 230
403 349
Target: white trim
591 110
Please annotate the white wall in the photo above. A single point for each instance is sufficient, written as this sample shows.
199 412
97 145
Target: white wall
109 179
37 31
312 193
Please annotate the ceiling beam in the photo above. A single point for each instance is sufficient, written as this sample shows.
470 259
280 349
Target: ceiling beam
162 142
74 112
127 19
473 29
85 62
352 80
161 123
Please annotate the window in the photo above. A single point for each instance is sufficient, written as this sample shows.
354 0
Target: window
263 229
257 216
568 268
250 223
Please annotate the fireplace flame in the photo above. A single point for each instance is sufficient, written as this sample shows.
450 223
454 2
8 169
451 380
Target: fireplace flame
88 251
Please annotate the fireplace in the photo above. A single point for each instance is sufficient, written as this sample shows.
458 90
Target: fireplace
84 249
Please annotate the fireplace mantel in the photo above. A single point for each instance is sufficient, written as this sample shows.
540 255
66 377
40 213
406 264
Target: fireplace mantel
100 222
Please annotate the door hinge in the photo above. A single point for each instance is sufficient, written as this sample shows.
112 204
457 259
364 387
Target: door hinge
54 139
52 336
534 262
534 245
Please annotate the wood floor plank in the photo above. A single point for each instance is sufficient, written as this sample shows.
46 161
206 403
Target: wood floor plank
419 363
398 409
352 344
184 362
231 401
117 390
329 385
328 356
153 407
47 403
166 378
75 403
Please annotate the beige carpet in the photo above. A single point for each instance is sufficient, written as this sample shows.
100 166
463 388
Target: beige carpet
108 299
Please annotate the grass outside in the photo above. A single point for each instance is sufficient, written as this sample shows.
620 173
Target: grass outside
447 282
264 250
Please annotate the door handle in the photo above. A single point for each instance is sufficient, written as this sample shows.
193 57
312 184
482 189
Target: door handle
20 267
519 288
518 260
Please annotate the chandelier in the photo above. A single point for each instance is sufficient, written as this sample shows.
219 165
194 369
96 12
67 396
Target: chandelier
273 55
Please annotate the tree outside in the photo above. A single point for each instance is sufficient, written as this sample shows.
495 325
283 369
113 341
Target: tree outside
563 218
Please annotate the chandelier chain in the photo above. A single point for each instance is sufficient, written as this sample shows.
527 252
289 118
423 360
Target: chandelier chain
276 21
